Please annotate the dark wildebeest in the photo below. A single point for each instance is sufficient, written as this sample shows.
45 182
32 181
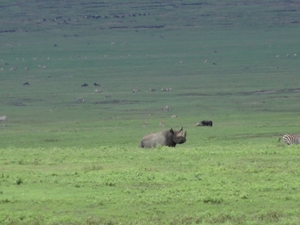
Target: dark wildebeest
208 123
97 84
84 85
26 83
168 138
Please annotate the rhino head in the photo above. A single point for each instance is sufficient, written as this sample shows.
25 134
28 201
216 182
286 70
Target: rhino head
179 137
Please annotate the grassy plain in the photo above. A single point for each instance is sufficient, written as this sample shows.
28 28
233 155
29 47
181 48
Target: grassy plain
67 162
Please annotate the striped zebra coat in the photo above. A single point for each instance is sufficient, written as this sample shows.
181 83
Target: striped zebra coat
291 139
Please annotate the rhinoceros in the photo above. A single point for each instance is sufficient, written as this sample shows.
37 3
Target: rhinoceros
168 138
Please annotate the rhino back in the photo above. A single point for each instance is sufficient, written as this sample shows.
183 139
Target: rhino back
152 140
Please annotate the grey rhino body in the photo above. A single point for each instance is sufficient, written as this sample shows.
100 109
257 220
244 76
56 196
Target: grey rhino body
168 138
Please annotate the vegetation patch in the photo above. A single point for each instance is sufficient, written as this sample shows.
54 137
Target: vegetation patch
71 156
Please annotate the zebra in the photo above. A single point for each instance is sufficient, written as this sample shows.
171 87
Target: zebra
14 68
166 89
80 99
136 91
291 139
3 118
98 91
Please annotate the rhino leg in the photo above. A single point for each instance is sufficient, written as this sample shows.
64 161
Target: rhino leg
141 145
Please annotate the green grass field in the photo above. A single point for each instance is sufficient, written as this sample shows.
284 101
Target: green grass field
68 162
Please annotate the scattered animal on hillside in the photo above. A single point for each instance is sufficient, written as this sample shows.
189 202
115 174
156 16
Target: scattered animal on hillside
166 108
162 123
291 139
208 123
168 138
152 90
166 89
108 96
174 116
80 99
14 68
136 91
84 85
98 91
97 84
145 124
26 83
3 118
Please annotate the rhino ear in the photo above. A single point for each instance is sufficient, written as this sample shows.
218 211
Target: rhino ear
172 130
181 129
185 134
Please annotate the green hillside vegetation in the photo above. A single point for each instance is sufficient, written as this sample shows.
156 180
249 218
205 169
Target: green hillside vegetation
64 161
